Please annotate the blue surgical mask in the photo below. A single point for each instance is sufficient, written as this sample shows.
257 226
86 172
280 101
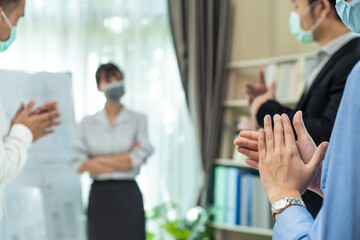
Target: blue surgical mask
4 45
295 26
114 91
349 13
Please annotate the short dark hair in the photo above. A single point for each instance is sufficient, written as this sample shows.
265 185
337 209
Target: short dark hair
108 70
332 3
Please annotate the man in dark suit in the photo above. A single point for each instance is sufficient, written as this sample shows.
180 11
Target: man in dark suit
323 92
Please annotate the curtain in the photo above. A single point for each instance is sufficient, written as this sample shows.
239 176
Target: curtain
77 35
200 31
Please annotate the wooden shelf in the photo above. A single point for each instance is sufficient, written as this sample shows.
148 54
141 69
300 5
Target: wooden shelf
233 163
241 103
242 229
267 61
236 103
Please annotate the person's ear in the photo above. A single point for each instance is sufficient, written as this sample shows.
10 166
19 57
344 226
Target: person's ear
325 8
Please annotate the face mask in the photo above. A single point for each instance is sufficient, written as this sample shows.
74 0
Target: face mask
295 26
114 91
349 13
4 45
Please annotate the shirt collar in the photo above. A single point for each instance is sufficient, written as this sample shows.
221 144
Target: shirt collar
335 45
102 117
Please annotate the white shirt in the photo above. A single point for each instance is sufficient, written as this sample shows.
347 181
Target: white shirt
325 54
96 137
13 152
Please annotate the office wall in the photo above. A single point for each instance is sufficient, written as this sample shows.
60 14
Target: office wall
260 30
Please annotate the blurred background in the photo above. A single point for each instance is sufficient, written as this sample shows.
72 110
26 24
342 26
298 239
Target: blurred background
76 36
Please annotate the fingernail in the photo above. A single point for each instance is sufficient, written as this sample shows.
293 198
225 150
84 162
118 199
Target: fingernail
284 116
261 132
325 146
276 117
267 119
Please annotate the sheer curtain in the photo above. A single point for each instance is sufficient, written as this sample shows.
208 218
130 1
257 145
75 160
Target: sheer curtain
77 35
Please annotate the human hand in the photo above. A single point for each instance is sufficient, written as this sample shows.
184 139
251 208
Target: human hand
254 90
283 172
39 124
260 100
14 119
248 145
47 107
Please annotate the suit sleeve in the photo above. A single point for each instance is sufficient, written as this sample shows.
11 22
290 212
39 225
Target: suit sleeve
271 108
319 128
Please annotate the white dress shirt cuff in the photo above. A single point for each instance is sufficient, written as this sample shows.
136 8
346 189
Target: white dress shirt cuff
23 134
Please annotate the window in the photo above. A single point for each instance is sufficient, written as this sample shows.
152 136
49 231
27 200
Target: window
76 36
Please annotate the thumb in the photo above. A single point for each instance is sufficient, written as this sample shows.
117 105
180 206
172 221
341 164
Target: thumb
299 126
318 157
262 76
30 106
21 108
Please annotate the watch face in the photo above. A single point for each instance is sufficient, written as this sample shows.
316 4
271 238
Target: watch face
280 204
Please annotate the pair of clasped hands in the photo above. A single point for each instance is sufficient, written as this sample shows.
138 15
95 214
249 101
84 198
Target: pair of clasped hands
39 121
288 167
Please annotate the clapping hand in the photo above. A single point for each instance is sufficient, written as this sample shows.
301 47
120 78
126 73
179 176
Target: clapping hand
248 145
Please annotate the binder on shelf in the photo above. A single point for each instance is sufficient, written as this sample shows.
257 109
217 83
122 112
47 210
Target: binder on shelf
231 196
220 197
246 204
261 210
238 197
290 77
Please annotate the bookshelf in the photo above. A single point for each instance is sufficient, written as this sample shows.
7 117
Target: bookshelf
246 230
267 61
232 163
244 105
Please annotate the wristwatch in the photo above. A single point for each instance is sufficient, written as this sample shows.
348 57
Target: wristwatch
283 203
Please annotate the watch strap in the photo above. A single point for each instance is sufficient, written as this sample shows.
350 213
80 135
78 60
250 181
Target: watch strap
288 202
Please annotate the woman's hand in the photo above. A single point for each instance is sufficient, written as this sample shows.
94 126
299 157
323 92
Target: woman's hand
248 146
283 172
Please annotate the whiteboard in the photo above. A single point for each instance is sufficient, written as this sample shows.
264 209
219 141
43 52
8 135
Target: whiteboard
44 201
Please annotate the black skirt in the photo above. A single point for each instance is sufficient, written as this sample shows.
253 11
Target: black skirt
116 211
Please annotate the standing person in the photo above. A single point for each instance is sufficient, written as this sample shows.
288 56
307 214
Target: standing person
314 20
287 167
112 145
28 125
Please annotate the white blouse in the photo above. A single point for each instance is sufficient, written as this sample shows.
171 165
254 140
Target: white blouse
96 137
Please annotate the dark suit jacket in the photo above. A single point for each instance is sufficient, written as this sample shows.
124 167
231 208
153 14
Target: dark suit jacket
320 104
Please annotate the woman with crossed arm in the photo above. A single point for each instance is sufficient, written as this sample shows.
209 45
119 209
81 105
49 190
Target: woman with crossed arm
112 145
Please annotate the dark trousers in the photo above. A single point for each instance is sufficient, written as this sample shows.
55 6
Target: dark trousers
116 211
